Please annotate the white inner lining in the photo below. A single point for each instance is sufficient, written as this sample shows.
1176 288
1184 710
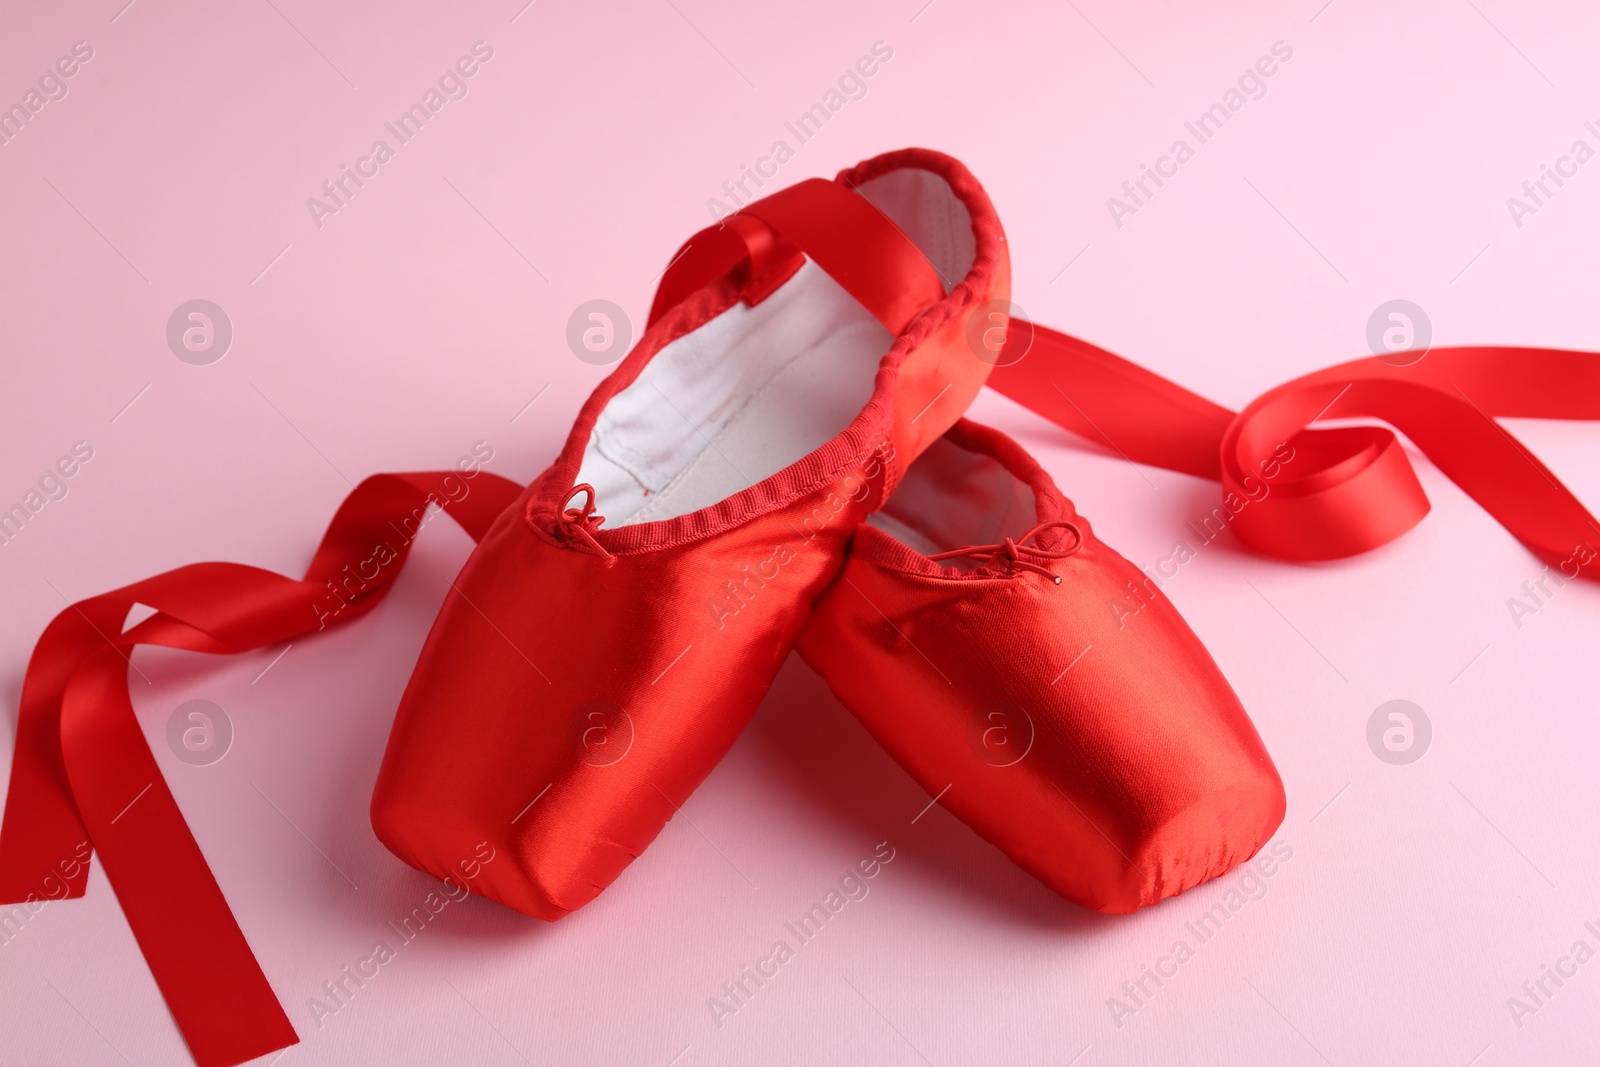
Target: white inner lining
756 389
952 498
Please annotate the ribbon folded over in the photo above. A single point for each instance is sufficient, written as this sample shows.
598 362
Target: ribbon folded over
83 773
83 776
1349 489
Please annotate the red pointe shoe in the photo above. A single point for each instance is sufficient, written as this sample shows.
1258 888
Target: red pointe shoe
586 672
974 630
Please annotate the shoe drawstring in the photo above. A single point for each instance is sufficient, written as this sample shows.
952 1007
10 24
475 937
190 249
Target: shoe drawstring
576 526
1022 553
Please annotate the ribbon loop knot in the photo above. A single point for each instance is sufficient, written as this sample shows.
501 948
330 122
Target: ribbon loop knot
576 526
1022 553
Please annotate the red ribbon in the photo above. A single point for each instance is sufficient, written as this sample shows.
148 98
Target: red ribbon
1347 489
82 772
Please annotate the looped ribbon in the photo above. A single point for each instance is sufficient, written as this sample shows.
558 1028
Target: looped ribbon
83 776
576 526
82 772
1022 553
1302 492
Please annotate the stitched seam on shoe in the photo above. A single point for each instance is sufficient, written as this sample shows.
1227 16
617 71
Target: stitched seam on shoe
626 458
863 436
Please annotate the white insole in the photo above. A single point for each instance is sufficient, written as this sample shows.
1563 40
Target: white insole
758 388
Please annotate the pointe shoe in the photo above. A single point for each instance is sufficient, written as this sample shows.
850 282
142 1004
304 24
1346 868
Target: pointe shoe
979 632
609 638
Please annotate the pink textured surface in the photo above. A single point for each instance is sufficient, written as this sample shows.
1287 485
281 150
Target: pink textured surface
426 314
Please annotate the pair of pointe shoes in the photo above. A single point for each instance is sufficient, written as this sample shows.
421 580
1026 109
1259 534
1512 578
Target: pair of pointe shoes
780 465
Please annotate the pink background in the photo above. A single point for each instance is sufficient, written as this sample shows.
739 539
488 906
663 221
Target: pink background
414 323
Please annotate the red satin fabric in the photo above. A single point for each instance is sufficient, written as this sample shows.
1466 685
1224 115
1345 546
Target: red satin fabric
1061 707
562 709
82 773
577 687
855 243
1348 489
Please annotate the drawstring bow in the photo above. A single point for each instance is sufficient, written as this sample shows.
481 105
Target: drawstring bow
576 526
1022 553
